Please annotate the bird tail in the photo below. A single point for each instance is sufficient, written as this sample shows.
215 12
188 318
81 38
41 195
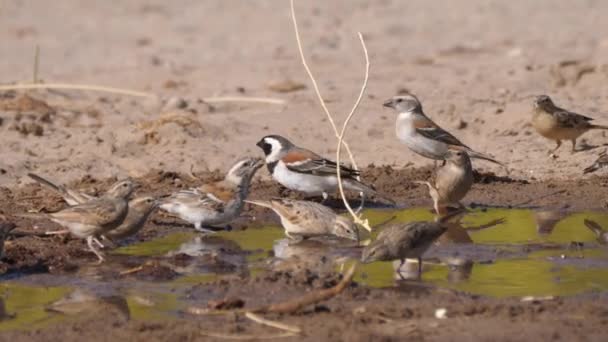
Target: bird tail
592 168
599 127
479 155
594 227
46 182
355 185
35 216
265 204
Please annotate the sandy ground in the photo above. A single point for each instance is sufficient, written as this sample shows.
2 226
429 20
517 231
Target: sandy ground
476 62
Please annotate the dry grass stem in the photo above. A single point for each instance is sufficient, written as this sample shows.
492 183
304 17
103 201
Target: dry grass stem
281 326
341 142
133 92
244 99
363 222
316 87
76 87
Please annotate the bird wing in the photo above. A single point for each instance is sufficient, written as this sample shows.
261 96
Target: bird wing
431 130
571 120
196 198
100 211
305 161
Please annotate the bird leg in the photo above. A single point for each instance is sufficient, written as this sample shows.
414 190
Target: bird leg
92 248
419 267
399 269
559 143
573 145
98 243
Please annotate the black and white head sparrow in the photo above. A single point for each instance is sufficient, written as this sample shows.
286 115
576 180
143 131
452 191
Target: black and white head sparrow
299 169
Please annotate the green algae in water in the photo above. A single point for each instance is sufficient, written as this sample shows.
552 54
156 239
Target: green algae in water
257 240
28 303
535 275
163 307
156 247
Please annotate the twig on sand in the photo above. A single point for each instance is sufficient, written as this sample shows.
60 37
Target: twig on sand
291 305
129 92
340 135
295 304
245 337
77 87
281 326
244 99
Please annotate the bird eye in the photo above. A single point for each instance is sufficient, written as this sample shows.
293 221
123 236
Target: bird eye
399 100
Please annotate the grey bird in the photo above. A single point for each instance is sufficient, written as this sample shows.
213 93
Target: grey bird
452 181
214 203
557 124
423 136
400 241
305 219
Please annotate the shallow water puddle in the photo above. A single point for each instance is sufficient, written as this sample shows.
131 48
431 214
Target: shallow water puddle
23 307
521 255
494 252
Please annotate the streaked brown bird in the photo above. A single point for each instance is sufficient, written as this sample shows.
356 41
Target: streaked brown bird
400 241
557 124
93 218
452 181
305 219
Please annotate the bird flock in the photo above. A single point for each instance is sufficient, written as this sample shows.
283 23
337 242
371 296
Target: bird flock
114 215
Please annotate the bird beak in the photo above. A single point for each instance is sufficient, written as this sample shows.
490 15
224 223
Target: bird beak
388 103
259 163
260 144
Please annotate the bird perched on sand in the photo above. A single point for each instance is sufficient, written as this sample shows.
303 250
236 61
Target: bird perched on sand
214 203
406 240
452 181
305 219
423 136
95 217
5 229
601 162
555 123
140 208
299 169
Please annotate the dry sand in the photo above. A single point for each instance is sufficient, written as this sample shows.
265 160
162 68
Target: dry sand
472 63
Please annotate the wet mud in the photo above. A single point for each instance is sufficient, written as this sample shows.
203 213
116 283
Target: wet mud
527 267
